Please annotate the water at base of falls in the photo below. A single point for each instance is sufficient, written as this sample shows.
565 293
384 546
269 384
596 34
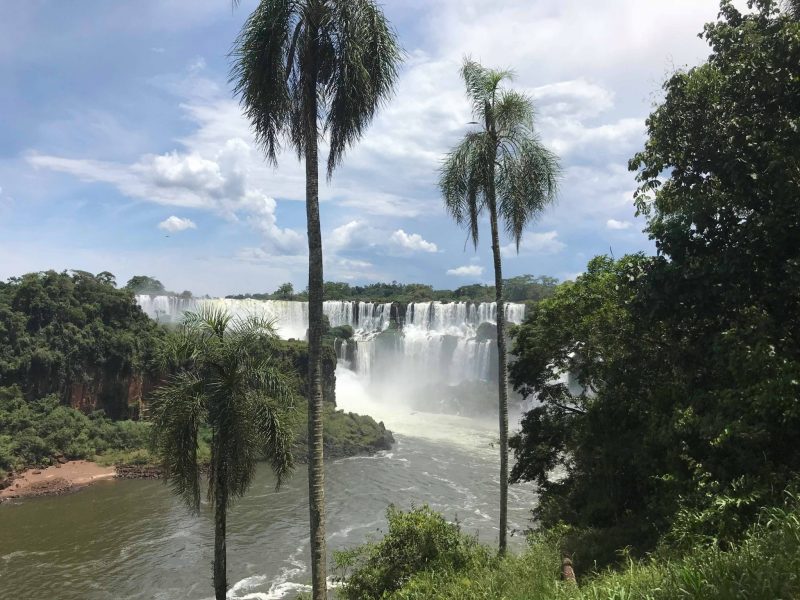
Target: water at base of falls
134 540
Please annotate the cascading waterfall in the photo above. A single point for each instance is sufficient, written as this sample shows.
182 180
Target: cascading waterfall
399 353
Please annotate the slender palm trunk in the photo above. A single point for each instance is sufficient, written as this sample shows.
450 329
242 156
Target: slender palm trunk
316 474
220 552
502 378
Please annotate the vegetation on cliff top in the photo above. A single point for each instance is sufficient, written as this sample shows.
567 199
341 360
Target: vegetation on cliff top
516 289
75 335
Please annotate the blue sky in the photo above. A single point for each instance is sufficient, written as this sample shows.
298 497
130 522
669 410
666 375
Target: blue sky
122 148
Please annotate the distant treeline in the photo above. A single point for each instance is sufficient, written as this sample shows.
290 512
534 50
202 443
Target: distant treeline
517 289
144 284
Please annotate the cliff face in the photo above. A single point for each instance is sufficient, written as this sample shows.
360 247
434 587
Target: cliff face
124 396
294 356
119 396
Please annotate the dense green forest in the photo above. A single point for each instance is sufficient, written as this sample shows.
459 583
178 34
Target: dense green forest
78 336
79 361
687 419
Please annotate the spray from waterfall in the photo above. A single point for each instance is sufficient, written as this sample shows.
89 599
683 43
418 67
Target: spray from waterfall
432 356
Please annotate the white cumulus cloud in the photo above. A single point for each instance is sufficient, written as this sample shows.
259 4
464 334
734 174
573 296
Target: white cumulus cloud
355 232
219 181
535 243
412 241
174 224
466 271
614 224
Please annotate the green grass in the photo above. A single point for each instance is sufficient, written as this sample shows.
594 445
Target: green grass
764 566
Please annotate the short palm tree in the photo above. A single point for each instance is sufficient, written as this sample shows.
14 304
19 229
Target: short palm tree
302 69
222 379
505 170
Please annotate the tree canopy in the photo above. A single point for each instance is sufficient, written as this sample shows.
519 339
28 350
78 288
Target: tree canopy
58 330
681 414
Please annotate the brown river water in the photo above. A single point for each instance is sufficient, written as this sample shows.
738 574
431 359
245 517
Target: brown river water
134 540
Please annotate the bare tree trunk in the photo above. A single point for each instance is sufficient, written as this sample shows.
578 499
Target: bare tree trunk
220 552
316 469
502 384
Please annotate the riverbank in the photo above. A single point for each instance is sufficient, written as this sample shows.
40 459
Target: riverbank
346 435
56 480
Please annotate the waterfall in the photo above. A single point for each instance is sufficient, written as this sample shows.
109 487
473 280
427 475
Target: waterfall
429 344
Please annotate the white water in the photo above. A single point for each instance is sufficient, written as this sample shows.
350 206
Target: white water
435 345
134 540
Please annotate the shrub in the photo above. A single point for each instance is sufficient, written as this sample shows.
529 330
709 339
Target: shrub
33 433
418 540
764 566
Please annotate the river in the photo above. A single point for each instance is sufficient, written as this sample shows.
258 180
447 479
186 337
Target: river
134 540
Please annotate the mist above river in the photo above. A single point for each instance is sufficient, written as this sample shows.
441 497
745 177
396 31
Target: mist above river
430 356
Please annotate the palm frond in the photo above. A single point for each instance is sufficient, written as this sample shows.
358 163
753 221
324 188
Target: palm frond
342 50
224 376
276 436
364 60
505 155
254 327
463 179
177 410
482 86
208 321
527 183
265 69
513 116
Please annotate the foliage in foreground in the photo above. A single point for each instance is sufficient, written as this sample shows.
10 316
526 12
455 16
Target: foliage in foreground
445 564
686 417
419 540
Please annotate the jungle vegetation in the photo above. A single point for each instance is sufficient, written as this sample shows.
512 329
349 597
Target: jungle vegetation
665 435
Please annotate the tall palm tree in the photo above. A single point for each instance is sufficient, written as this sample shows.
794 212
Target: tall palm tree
302 69
222 378
504 169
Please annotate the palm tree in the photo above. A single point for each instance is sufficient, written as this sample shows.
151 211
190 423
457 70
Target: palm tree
305 68
223 379
503 161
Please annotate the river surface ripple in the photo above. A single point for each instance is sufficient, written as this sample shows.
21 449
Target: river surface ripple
135 540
